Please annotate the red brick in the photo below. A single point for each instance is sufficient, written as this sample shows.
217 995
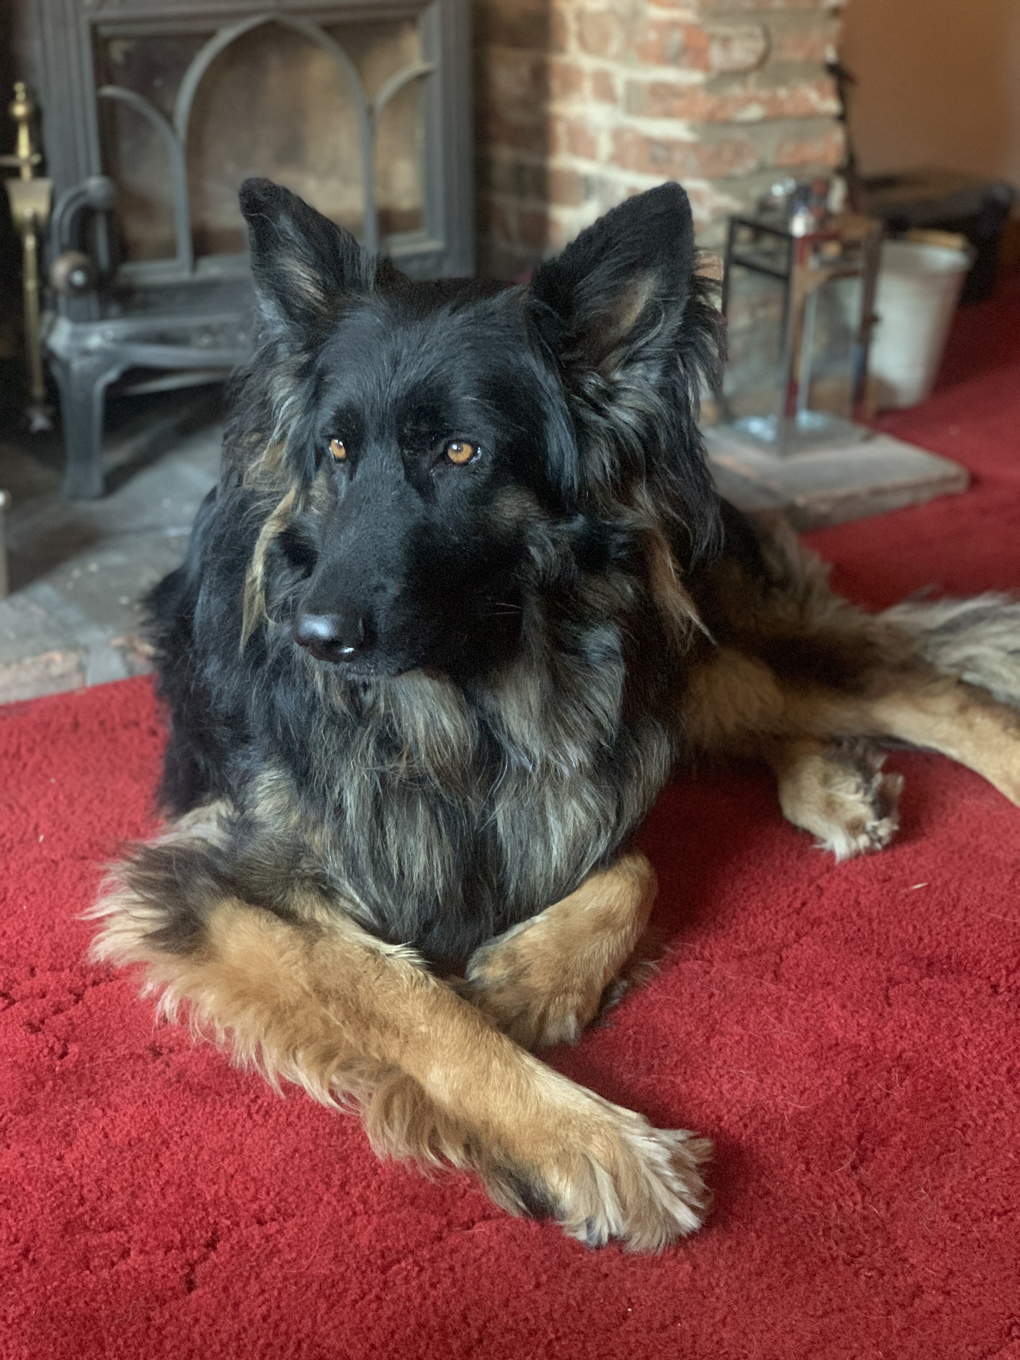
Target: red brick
517 83
496 130
532 228
671 158
745 6
497 260
750 103
501 224
564 79
512 178
805 42
826 147
512 23
559 32
671 42
603 87
572 137
599 33
567 188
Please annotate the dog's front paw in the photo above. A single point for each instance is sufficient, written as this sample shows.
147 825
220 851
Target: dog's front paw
637 1184
538 1001
551 1149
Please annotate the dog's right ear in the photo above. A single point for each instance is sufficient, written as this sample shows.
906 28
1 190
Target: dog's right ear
302 263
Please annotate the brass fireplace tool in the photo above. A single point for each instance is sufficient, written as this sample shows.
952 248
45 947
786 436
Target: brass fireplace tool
31 197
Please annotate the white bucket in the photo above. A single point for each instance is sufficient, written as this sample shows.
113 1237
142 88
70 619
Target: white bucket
918 289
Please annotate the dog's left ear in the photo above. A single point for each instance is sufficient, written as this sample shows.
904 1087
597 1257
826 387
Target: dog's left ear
635 336
625 277
301 262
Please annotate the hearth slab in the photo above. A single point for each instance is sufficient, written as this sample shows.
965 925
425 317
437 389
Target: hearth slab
827 486
79 568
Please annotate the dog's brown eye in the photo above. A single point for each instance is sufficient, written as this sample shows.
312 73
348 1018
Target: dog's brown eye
460 451
336 448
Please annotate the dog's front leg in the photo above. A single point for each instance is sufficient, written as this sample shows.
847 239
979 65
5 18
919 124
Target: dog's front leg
542 981
323 1003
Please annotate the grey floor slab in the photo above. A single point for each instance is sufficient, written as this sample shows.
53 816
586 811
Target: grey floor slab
78 569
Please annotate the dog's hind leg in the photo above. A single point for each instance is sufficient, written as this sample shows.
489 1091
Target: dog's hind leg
958 720
317 1000
542 981
819 739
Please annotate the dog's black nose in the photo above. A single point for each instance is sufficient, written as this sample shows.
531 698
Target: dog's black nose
333 637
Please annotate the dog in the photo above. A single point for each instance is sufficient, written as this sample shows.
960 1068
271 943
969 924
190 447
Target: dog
462 600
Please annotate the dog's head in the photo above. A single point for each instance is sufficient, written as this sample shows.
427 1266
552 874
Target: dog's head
428 436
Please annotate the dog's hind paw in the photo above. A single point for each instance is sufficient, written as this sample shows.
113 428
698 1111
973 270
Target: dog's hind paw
841 796
867 823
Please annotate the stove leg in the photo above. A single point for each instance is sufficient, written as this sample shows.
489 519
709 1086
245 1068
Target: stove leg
83 380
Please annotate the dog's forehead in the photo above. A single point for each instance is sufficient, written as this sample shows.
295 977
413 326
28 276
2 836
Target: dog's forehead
386 345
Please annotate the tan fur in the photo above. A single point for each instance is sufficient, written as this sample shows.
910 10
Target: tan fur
254 591
736 704
627 306
797 606
544 980
961 722
267 461
730 701
332 1008
672 598
675 606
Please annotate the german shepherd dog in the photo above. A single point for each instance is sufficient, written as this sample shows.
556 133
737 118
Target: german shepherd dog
462 600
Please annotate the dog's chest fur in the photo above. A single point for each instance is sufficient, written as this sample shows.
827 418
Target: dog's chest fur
444 814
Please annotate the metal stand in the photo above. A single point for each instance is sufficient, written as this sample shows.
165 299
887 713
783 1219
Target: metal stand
30 196
86 358
845 246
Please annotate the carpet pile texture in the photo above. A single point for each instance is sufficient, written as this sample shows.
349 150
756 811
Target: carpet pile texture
848 1035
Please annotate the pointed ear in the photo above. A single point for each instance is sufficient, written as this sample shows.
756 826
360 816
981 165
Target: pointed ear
621 279
301 261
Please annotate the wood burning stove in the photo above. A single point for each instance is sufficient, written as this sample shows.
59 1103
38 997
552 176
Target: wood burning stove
153 113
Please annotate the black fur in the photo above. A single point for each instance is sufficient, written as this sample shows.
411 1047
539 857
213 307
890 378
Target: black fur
492 722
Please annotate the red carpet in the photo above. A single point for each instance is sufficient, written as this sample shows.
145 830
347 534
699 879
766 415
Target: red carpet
849 1036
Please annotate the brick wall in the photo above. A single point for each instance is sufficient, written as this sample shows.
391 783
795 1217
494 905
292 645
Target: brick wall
583 102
